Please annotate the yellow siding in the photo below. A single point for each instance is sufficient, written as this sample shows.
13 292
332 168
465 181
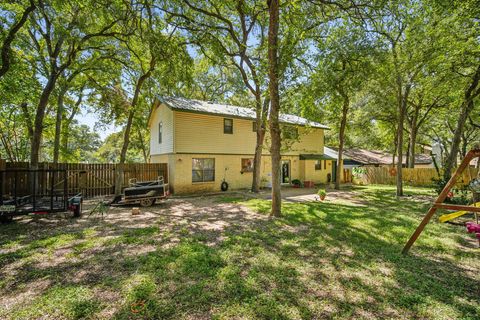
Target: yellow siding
199 133
180 172
166 158
165 115
317 176
190 135
310 142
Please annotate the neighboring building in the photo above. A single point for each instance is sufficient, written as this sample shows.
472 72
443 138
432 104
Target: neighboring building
375 158
205 143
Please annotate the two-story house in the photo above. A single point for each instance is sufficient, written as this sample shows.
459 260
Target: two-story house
205 143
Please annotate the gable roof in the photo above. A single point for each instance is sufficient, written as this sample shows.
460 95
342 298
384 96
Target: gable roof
198 106
376 157
333 153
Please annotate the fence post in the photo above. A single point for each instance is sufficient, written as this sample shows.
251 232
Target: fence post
119 177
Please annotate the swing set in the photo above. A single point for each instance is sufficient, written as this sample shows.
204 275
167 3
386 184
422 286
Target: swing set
474 185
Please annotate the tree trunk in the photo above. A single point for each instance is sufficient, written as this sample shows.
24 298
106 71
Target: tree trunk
126 135
407 155
142 144
58 124
465 109
7 146
123 153
464 147
274 11
128 127
257 160
403 99
413 139
28 121
341 140
66 125
38 124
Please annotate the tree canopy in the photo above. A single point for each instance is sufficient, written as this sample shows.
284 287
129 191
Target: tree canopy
396 76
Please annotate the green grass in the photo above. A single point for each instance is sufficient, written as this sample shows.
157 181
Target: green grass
333 259
72 302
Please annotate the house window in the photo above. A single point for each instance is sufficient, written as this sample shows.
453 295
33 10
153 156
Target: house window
203 170
160 129
324 164
247 165
254 126
318 164
290 132
228 126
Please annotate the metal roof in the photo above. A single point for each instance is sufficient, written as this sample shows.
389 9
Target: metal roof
199 106
333 153
376 157
316 157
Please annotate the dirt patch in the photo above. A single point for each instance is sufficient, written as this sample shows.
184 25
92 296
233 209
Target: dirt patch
95 247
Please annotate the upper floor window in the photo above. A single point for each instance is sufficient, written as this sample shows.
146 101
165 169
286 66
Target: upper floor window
160 129
228 126
290 132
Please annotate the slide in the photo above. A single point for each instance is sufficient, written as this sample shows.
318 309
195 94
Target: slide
453 215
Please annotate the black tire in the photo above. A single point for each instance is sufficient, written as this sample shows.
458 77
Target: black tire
6 219
224 186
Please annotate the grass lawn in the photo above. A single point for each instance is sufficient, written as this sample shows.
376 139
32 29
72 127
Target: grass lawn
223 258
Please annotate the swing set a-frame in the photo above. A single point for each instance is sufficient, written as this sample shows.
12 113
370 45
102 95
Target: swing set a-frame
439 202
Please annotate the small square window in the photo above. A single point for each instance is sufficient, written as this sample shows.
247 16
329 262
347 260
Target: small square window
228 126
247 165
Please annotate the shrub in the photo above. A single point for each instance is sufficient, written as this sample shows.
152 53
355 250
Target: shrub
322 192
296 182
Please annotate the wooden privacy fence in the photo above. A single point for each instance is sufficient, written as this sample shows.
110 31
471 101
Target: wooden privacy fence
410 176
94 179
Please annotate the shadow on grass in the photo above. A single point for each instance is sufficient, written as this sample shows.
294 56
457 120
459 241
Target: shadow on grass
320 260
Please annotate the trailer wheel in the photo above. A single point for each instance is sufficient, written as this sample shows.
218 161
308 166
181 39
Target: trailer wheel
6 219
78 210
147 202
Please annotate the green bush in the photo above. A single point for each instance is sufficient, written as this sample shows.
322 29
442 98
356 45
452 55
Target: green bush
296 182
322 192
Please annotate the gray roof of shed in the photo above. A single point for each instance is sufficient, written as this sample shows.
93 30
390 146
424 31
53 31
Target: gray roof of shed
376 157
199 106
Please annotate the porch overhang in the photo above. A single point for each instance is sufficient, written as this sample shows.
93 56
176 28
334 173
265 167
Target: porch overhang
316 157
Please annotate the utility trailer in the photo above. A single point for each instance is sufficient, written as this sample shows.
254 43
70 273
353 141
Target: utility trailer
144 193
24 191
